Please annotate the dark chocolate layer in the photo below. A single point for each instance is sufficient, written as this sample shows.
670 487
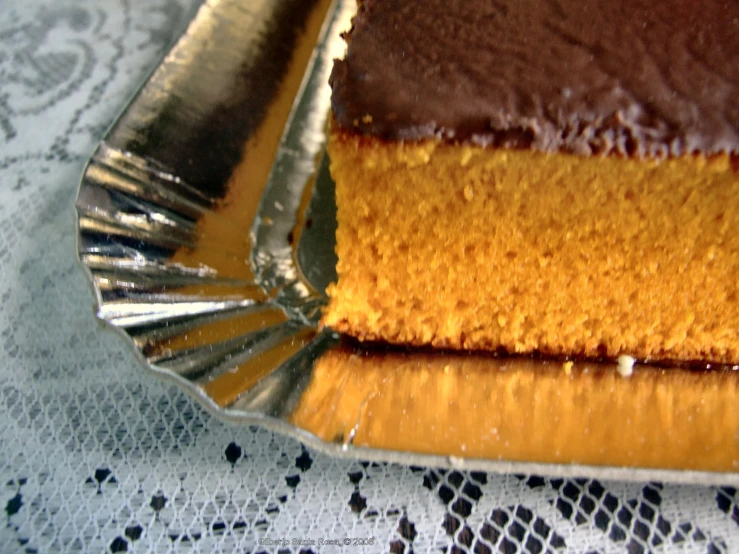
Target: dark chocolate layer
634 77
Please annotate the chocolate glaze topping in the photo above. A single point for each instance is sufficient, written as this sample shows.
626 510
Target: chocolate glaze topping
629 77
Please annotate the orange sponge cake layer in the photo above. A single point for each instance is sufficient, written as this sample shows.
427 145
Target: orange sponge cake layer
531 175
460 246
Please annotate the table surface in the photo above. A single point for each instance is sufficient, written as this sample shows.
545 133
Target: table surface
98 456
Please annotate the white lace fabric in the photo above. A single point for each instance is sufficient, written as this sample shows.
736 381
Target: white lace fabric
98 456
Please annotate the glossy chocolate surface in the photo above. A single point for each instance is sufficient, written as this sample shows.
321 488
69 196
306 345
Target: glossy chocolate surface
635 77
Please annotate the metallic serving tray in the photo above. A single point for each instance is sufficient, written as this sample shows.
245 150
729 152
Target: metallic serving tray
206 227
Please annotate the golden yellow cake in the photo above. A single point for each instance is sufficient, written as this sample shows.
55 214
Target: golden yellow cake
530 176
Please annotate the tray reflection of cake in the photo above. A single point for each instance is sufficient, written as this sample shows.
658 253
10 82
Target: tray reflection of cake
530 175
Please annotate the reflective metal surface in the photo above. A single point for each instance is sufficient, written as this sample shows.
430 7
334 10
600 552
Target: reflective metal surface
206 225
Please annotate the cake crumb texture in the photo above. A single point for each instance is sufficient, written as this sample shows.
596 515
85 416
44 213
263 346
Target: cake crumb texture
466 247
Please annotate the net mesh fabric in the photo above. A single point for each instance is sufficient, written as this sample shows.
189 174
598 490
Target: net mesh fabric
98 456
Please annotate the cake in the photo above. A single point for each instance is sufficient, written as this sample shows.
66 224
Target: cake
539 176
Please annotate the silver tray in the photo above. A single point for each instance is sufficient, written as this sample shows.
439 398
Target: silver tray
206 228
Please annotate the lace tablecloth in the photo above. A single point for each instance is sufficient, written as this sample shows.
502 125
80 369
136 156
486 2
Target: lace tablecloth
97 456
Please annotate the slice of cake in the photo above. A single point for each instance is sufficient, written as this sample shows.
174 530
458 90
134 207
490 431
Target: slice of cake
540 176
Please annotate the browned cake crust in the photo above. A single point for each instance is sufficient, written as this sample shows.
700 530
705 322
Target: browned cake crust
592 213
